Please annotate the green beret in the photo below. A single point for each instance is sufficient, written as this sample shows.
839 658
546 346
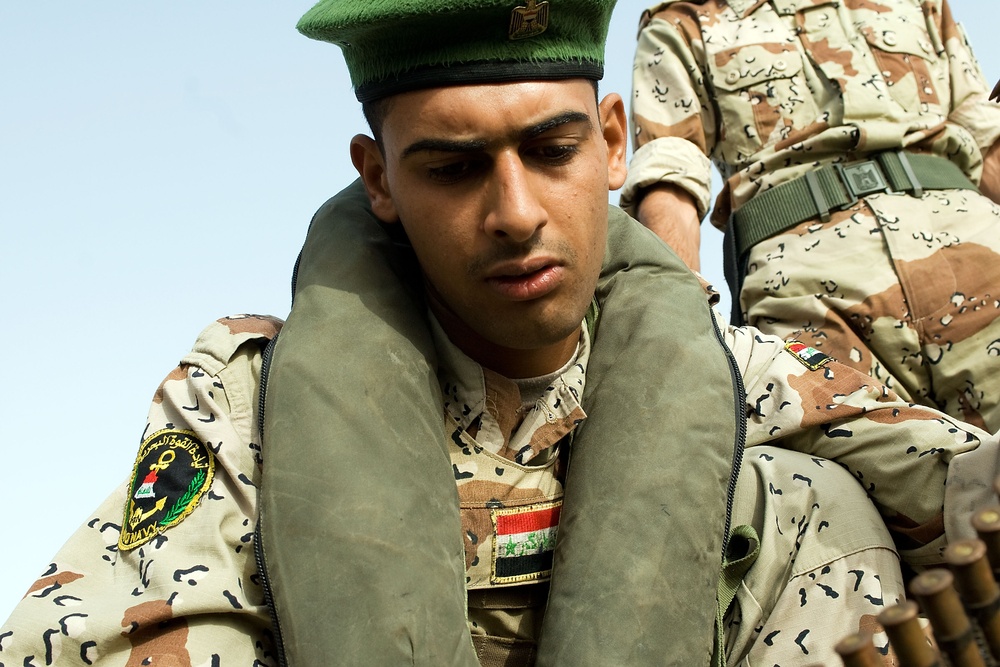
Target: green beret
392 46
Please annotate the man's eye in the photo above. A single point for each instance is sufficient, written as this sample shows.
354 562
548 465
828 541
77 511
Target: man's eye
452 171
556 153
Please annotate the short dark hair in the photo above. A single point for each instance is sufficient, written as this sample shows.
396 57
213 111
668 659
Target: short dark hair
375 112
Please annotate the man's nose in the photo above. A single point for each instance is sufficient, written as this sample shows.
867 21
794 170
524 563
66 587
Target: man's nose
514 209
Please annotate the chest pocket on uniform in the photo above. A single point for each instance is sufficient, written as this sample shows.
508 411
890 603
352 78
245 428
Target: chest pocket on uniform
905 55
762 95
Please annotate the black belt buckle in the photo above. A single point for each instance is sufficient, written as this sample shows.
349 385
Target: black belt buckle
861 179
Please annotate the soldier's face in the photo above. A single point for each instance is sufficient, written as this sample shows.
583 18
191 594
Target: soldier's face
502 190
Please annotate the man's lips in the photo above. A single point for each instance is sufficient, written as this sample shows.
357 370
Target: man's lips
526 280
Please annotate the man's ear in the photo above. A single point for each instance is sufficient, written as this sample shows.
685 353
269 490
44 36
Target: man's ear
614 126
368 160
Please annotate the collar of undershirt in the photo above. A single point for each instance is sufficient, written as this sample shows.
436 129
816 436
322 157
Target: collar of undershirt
516 419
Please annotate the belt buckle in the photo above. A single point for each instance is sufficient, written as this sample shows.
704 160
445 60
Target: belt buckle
861 178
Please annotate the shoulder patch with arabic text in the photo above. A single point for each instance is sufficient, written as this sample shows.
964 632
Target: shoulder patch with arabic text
810 357
173 470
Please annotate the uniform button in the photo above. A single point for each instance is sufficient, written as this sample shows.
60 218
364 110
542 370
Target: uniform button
780 65
732 77
925 45
928 90
889 37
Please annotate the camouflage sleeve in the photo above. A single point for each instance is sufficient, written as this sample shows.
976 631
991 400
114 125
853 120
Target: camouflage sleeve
164 570
924 470
970 104
673 117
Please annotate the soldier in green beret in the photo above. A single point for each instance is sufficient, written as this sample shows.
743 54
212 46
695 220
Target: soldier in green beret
503 424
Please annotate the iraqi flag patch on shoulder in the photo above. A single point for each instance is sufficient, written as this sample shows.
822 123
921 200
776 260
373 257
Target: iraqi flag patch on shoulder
809 357
173 470
524 539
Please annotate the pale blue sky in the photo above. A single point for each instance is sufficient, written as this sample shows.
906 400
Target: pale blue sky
159 163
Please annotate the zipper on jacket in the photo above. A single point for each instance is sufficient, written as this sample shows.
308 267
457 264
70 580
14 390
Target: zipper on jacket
279 644
258 548
295 275
741 431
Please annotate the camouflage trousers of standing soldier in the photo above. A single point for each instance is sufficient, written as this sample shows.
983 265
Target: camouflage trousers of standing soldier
827 566
905 289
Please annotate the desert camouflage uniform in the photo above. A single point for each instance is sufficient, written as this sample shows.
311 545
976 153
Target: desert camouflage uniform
191 595
904 288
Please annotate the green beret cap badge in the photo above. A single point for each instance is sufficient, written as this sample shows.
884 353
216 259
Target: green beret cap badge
530 20
393 46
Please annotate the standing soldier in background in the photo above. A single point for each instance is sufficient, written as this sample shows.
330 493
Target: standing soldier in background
851 137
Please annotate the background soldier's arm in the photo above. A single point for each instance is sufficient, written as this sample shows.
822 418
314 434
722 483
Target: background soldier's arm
670 212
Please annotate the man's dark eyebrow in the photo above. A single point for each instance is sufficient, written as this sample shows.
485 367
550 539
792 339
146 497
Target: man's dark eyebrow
556 121
474 145
445 146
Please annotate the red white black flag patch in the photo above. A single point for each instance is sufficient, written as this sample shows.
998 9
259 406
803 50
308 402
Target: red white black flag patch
172 472
524 539
810 357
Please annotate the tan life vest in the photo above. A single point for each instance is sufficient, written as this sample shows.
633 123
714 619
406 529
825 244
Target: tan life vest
360 536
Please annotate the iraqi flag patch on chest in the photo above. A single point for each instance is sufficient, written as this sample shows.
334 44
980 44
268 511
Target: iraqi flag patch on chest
808 356
523 542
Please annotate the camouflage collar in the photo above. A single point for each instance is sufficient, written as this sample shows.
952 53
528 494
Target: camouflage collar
491 405
744 7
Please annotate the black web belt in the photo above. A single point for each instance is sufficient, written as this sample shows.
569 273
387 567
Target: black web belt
829 188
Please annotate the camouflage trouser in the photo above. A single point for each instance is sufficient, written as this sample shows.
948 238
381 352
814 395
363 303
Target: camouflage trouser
826 568
904 289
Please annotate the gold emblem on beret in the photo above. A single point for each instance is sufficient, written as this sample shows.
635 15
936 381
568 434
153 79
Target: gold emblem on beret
528 21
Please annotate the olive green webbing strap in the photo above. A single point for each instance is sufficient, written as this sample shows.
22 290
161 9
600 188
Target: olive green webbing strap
503 651
790 203
497 652
742 539
818 192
